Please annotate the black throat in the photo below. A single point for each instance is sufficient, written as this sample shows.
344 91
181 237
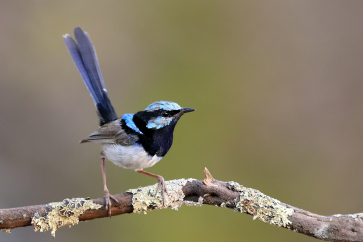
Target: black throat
154 141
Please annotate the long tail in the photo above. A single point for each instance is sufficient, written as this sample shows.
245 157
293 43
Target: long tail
85 58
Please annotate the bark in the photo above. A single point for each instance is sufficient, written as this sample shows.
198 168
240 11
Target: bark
190 192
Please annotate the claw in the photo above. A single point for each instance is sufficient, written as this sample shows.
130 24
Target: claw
107 196
108 202
161 183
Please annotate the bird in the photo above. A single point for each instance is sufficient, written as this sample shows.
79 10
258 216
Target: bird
134 141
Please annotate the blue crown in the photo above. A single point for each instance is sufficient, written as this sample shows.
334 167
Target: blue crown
164 105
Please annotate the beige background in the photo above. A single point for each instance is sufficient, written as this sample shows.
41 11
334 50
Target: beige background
277 86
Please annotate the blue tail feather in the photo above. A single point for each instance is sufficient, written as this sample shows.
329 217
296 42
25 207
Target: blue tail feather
85 59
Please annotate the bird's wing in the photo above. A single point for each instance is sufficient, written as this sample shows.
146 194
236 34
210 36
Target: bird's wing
111 133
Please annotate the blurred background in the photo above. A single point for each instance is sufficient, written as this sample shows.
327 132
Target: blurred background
277 86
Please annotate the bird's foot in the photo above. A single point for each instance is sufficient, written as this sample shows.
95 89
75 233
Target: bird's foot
161 184
108 202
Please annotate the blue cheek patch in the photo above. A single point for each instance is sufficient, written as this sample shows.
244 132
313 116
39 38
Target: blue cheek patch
164 105
129 123
159 122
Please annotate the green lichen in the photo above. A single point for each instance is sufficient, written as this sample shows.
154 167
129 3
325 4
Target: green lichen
145 198
62 214
261 206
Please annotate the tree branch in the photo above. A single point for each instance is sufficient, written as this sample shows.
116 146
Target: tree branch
193 193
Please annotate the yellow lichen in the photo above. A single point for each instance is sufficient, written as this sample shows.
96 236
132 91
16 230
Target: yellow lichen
261 206
145 198
62 214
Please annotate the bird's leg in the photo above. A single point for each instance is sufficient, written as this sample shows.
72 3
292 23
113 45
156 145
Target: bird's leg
161 183
106 193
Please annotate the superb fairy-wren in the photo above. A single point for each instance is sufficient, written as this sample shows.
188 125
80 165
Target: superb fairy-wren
134 141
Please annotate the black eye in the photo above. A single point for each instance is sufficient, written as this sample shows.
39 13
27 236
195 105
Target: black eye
164 113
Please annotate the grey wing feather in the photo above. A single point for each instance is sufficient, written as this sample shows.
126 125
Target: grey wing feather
111 133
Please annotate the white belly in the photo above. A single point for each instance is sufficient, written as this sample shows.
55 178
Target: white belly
129 157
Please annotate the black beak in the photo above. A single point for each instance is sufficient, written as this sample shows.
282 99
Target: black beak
185 110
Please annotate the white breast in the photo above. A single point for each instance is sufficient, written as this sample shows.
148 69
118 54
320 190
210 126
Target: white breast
129 157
